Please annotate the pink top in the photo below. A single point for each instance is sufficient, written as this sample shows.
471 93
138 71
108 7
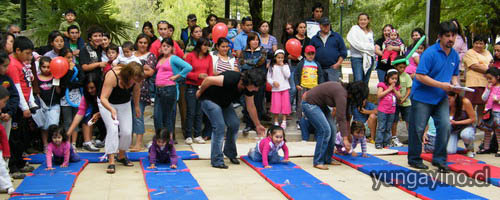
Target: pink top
491 103
266 146
164 73
412 67
62 150
83 107
387 104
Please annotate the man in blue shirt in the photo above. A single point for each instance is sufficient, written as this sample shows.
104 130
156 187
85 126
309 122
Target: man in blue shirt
330 50
437 68
240 41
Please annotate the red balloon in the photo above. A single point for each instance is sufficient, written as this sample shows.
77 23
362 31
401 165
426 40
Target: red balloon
218 31
293 47
59 67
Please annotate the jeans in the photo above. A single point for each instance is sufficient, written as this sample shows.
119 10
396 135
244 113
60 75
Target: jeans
220 118
324 124
138 123
68 113
332 74
381 75
358 72
193 113
467 135
293 88
306 128
419 116
256 156
164 107
384 125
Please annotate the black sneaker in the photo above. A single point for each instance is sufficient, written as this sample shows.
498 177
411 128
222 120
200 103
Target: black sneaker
442 168
246 130
17 175
419 166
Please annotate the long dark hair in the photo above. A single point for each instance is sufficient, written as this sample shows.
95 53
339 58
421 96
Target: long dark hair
459 27
251 36
357 92
52 36
202 41
163 134
3 40
96 79
170 42
148 24
285 36
458 104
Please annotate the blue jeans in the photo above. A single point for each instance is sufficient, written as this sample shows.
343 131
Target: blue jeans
324 124
332 74
467 135
220 118
256 156
419 116
293 88
164 107
381 75
358 72
193 113
384 125
306 128
138 123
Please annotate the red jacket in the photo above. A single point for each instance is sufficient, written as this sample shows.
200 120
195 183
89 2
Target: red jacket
200 66
4 142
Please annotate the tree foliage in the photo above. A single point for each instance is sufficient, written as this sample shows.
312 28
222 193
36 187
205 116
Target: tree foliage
10 14
43 19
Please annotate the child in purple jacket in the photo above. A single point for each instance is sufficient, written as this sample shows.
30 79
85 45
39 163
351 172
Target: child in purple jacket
162 150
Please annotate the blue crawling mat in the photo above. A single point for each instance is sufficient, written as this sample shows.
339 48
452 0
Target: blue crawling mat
415 183
404 150
167 183
294 182
42 197
96 157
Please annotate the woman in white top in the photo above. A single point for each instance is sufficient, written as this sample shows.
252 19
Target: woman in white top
222 60
360 38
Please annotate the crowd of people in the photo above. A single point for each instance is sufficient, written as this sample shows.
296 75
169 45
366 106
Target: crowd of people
108 87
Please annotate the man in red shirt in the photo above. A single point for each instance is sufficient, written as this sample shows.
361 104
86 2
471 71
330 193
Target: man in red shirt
22 76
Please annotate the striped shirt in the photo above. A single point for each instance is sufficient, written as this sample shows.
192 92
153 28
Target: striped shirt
223 66
339 142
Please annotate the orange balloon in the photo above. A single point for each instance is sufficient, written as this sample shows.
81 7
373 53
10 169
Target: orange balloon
293 47
218 31
59 67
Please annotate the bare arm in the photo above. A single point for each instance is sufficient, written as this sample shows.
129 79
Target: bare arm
107 88
381 92
136 92
479 67
378 50
398 94
76 120
90 67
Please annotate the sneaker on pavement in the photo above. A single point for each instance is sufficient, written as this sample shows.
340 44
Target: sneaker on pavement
18 175
90 147
10 190
98 143
395 142
189 140
27 168
378 146
298 126
199 140
283 125
470 154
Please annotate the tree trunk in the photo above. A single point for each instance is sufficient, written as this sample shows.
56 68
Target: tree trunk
433 20
256 12
292 11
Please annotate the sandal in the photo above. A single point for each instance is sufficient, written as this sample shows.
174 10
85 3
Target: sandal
125 162
111 169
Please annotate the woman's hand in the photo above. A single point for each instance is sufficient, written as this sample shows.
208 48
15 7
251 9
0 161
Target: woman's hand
347 144
198 94
113 113
138 112
173 166
152 166
202 76
175 77
49 168
267 166
276 84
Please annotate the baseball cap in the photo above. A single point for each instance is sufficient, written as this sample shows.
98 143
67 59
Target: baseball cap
191 17
324 21
309 49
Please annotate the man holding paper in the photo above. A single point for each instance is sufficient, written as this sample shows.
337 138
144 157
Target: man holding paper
439 65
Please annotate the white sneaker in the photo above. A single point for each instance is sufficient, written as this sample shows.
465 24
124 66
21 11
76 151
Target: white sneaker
470 154
396 142
298 126
10 190
189 140
199 140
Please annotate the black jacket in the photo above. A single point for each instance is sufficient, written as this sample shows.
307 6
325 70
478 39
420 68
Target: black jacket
13 101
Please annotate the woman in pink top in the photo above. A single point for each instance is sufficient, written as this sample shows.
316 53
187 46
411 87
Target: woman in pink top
59 150
169 69
202 63
88 113
492 97
267 149
388 93
460 42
